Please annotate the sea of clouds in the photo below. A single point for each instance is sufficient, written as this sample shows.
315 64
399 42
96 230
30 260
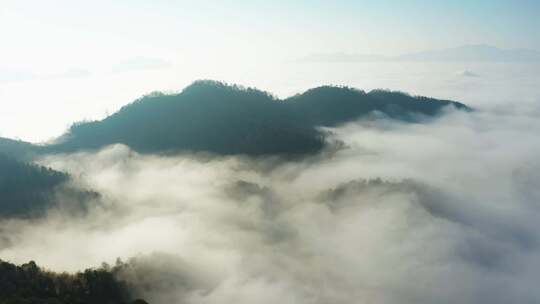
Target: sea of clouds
443 211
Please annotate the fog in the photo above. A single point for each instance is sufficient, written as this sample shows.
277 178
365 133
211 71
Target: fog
443 211
56 102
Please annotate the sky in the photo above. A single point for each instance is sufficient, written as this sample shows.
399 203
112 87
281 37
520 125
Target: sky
62 61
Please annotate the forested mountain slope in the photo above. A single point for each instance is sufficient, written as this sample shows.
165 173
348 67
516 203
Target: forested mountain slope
218 118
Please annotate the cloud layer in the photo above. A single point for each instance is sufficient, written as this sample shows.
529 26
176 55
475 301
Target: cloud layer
440 212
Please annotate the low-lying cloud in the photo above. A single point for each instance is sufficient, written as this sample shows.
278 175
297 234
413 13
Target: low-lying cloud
467 73
439 212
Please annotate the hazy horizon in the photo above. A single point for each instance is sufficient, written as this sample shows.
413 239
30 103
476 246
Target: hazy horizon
485 85
63 62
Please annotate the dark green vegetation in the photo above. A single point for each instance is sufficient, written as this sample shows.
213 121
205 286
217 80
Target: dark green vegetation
214 117
28 284
207 116
26 189
16 148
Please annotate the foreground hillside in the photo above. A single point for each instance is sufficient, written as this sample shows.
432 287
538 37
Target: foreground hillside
29 190
25 187
28 284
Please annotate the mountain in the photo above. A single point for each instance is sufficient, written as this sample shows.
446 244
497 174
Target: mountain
207 116
26 189
16 148
331 106
29 190
29 284
214 117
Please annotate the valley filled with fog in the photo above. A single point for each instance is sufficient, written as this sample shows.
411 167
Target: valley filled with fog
393 214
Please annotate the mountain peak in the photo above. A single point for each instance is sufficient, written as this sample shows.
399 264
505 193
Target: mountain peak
206 86
212 116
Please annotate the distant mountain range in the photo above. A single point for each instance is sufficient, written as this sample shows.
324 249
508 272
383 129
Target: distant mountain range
227 119
466 53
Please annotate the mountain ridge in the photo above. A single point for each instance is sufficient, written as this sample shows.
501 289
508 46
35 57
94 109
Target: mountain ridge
225 119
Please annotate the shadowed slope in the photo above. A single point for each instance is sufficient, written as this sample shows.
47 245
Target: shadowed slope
26 189
204 117
16 148
214 117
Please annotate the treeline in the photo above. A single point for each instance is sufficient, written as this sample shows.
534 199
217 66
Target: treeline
210 116
25 187
29 190
29 284
218 118
17 149
207 116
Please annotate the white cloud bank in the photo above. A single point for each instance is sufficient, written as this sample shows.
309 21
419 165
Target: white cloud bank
453 218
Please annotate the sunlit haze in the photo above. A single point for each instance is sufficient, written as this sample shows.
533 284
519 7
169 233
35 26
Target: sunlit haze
64 61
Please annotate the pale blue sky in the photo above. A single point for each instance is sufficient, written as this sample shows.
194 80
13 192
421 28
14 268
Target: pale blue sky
115 50
101 31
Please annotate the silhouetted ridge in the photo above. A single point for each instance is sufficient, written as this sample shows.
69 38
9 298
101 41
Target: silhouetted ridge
219 88
16 148
331 105
26 189
30 284
206 116
402 105
226 119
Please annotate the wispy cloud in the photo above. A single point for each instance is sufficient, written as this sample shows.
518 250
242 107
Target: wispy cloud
468 73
